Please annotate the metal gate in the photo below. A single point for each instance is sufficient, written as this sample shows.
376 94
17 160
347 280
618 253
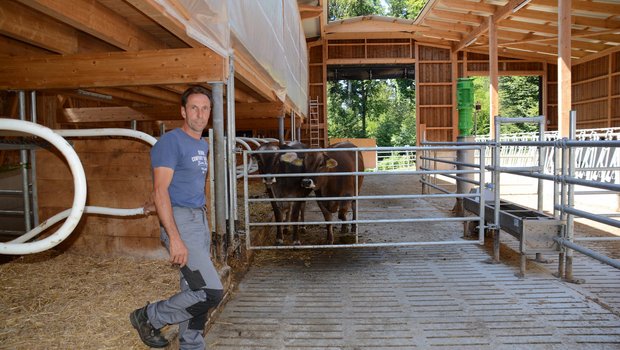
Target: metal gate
472 172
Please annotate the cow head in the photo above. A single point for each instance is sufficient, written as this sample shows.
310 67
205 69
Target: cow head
313 162
268 163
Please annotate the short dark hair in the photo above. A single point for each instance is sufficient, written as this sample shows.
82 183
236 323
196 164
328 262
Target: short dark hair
195 89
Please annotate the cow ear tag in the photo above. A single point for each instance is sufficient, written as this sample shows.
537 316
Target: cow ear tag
289 157
331 163
298 162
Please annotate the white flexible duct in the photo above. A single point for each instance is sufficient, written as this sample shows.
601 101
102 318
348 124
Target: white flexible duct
107 132
79 182
87 210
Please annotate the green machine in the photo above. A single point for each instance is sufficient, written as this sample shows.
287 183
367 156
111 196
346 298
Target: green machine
465 104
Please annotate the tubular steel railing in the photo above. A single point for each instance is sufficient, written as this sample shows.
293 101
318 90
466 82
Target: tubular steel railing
585 159
478 169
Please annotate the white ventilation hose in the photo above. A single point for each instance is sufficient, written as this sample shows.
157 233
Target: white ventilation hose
79 182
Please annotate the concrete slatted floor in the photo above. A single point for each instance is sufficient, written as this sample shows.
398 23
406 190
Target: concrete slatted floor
440 297
424 297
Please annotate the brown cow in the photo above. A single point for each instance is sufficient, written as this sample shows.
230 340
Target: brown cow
283 187
333 186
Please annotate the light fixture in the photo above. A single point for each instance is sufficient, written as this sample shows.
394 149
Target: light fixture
520 6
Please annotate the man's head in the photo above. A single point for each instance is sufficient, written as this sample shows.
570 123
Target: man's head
196 109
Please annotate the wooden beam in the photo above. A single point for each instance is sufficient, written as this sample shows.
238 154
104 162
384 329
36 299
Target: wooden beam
164 96
479 7
12 47
588 6
174 66
113 114
498 15
20 22
564 68
158 14
493 77
99 21
269 123
367 24
464 18
449 26
258 110
309 11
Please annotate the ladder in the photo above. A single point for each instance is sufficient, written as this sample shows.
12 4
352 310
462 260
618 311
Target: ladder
315 132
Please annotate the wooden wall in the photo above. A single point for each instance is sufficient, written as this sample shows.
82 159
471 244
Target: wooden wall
317 90
370 157
595 92
118 175
434 94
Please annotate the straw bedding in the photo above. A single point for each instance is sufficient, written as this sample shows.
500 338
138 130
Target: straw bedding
57 300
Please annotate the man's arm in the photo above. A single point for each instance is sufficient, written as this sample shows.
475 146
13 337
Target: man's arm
162 177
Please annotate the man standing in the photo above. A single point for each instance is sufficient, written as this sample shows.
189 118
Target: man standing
179 161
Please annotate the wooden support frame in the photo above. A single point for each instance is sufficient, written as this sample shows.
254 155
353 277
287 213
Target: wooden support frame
174 66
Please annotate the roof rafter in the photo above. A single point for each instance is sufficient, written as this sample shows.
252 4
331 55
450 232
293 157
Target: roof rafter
497 16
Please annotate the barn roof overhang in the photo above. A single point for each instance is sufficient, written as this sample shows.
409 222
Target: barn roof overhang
136 54
525 28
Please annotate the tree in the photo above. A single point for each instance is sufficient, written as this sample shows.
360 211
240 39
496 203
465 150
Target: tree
518 97
383 109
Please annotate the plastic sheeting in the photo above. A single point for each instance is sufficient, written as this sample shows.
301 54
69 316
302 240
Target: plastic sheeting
269 30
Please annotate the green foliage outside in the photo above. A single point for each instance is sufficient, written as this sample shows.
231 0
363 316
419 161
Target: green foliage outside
518 97
379 109
385 109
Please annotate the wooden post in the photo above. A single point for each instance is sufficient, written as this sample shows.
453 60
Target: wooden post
455 112
564 66
493 75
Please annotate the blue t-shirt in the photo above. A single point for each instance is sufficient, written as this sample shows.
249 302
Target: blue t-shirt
188 158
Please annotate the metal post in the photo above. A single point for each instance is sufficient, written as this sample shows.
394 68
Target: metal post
133 124
496 204
570 199
33 163
232 161
463 156
292 125
541 137
219 151
482 209
356 195
23 159
281 129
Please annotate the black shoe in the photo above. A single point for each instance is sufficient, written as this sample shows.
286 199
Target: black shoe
149 335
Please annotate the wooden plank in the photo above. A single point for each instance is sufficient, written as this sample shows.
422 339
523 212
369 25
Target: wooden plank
111 69
20 22
493 77
479 7
108 114
367 24
271 123
564 68
309 11
163 95
258 110
157 13
456 16
498 15
99 21
122 94
12 47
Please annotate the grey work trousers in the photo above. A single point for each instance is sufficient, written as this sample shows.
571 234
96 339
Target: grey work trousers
201 287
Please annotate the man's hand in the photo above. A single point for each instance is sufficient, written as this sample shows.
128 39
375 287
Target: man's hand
178 252
149 207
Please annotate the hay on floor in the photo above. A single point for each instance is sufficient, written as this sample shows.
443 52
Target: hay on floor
66 301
